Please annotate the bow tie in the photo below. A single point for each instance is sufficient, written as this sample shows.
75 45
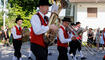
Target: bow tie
45 17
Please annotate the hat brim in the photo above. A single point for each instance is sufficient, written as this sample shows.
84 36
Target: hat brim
17 19
66 20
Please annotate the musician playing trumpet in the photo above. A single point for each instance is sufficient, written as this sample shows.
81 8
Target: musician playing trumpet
73 44
63 38
79 30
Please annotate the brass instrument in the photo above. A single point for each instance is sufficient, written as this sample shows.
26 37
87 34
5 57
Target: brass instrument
49 36
25 34
91 51
81 30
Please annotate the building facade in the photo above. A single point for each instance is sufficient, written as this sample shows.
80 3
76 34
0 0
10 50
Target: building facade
90 13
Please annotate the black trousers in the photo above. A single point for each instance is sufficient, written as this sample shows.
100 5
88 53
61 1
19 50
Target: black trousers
62 53
17 47
73 47
79 45
39 52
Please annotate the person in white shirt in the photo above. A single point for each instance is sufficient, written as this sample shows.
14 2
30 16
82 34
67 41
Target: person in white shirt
39 27
17 39
63 39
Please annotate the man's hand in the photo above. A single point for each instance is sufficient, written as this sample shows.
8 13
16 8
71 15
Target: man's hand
74 38
53 27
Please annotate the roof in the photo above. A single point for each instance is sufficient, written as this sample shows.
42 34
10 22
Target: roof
89 1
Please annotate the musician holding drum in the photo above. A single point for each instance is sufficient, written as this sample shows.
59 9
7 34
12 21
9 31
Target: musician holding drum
17 38
39 27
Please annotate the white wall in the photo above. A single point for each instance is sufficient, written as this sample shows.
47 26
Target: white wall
91 22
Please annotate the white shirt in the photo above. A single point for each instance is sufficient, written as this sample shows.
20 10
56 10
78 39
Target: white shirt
61 36
13 31
36 25
29 29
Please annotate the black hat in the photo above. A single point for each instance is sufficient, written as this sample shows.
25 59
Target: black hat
44 2
18 18
78 23
66 19
73 24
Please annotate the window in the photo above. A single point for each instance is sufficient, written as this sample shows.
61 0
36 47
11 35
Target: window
92 12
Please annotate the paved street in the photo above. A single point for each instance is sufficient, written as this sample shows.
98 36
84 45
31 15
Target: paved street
6 53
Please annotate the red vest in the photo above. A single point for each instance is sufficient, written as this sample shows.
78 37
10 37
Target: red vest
66 36
38 39
18 32
79 36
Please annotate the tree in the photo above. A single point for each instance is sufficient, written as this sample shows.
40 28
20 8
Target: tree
1 19
27 5
17 10
24 8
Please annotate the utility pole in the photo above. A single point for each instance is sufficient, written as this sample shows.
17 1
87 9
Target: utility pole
4 10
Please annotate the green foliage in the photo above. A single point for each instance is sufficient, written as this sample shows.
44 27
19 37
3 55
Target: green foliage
24 8
12 15
28 5
17 10
1 19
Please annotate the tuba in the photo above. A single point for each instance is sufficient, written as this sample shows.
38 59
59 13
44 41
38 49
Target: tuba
49 37
25 34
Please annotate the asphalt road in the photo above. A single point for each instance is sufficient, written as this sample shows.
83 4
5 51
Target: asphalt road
6 53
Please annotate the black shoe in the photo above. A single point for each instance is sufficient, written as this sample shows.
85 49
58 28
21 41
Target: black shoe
76 57
7 45
50 54
72 57
29 58
83 58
